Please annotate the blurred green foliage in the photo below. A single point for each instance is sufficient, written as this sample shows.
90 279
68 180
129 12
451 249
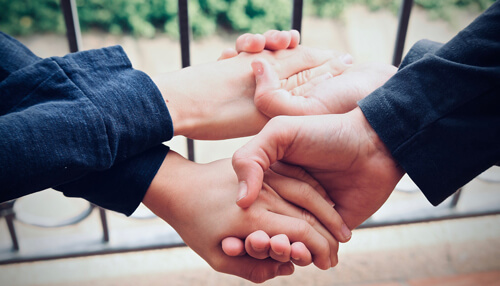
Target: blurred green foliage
147 17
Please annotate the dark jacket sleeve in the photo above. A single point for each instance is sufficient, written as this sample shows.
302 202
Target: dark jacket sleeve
64 118
122 187
443 106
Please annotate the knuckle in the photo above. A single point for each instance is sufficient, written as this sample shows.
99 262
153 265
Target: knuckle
309 218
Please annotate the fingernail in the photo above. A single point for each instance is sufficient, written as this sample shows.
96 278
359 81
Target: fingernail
346 231
242 190
285 269
346 59
258 68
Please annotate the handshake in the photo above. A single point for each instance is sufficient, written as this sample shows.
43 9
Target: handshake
315 170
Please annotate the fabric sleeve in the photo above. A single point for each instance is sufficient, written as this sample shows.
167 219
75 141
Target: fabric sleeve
444 109
122 187
62 118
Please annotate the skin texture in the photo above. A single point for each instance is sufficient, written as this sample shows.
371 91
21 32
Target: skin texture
341 151
203 212
201 109
324 94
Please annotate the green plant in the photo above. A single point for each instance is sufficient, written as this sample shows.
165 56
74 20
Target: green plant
147 17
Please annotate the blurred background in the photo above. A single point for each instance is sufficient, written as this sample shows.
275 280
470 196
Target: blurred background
67 241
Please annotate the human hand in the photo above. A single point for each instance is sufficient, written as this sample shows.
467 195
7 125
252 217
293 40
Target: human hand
203 212
342 152
215 101
324 94
259 245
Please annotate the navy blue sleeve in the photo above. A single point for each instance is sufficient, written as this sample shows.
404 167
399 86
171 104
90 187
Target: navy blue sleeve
122 187
444 109
63 118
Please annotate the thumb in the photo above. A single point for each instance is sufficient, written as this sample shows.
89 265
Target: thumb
254 158
272 100
266 78
269 97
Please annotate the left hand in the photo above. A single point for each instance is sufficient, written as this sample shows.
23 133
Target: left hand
215 101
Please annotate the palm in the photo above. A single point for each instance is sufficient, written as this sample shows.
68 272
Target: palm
356 176
325 94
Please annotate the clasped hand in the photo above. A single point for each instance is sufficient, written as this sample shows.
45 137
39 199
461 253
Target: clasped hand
291 218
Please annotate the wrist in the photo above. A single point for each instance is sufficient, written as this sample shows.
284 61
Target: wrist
165 191
378 147
211 101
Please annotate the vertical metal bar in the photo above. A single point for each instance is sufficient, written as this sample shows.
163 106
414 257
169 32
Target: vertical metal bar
404 18
104 223
7 211
455 198
297 14
184 31
12 231
73 32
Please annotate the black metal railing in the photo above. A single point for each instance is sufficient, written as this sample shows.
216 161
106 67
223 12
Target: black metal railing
98 244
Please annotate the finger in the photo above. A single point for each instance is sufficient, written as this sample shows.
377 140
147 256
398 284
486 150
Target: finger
253 269
301 256
303 195
227 54
266 78
324 250
308 87
280 248
335 65
295 39
250 161
250 43
285 208
233 246
257 245
277 40
272 100
292 171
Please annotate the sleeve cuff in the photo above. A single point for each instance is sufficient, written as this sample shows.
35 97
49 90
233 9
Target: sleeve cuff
134 112
121 188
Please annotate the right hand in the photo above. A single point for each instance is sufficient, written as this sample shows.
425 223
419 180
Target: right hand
342 152
203 212
272 40
325 94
